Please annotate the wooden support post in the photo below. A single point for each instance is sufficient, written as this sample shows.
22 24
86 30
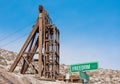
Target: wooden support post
40 43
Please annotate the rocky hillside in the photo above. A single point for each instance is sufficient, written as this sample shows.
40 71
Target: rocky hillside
105 76
101 76
12 78
6 58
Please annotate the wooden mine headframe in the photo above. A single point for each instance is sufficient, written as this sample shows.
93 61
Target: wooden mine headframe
44 42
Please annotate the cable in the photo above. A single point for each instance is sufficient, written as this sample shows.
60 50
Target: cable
14 40
13 33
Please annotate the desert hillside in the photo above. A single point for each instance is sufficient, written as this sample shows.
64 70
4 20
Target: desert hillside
101 76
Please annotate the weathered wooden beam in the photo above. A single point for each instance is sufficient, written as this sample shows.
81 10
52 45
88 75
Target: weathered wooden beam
23 49
40 43
29 58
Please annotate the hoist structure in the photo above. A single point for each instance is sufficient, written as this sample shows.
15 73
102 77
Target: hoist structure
40 52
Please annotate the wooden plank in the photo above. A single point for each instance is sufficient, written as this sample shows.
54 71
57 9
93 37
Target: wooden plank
29 58
40 44
30 52
25 64
23 49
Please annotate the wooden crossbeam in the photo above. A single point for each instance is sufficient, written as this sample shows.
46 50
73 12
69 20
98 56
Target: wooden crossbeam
23 49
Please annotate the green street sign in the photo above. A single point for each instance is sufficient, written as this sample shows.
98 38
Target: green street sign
84 67
84 75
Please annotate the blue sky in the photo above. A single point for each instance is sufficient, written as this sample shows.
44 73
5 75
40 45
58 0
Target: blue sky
89 29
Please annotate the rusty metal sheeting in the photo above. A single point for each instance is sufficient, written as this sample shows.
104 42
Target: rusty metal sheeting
44 42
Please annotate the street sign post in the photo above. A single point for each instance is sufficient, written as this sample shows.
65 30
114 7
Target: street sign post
84 75
84 67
